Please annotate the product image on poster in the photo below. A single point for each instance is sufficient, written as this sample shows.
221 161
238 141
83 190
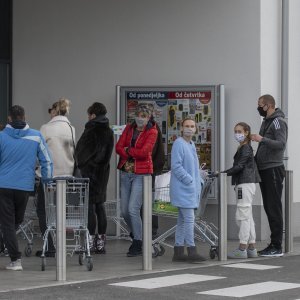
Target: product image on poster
170 108
196 105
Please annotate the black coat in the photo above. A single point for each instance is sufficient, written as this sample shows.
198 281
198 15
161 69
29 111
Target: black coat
93 152
244 168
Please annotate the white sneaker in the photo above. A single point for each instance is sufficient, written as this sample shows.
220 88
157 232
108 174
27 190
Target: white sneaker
238 254
15 265
252 253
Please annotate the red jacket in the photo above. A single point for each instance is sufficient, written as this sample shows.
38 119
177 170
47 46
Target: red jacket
141 152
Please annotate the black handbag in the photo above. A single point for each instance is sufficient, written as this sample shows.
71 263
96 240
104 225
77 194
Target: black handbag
76 170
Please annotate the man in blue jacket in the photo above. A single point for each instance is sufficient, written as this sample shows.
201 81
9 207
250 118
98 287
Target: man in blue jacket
20 148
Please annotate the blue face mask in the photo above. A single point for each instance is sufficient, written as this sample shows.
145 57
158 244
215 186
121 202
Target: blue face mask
239 137
140 122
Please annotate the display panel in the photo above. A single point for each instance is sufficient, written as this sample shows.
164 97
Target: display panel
170 106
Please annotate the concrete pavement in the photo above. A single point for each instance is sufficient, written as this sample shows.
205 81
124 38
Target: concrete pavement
114 264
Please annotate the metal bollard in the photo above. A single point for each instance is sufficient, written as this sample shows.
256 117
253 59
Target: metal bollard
288 191
222 215
61 230
147 224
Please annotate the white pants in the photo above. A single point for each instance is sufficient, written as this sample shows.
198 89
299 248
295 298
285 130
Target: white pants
244 217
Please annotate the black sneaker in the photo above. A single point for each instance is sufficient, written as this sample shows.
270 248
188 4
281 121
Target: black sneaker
49 253
135 249
271 251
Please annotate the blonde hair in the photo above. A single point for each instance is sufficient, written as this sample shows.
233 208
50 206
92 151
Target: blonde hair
63 106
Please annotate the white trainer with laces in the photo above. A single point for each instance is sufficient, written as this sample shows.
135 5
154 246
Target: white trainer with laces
238 254
252 253
15 265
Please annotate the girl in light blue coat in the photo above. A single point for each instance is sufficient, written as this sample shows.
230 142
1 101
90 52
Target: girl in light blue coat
185 190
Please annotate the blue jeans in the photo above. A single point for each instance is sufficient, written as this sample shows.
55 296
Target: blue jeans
131 202
185 227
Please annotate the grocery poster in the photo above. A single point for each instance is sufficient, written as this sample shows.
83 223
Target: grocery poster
159 103
170 108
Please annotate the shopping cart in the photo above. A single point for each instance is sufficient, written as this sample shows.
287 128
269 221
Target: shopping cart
112 209
77 191
26 230
204 231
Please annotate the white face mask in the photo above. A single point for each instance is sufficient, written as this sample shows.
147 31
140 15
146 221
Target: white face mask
140 122
188 132
239 137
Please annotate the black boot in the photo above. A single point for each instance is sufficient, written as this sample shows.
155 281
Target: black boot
135 249
193 256
179 254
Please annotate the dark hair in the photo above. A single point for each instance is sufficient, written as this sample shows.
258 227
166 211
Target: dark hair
17 112
268 99
97 109
245 127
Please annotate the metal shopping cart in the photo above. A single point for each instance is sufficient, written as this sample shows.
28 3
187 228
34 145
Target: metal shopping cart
27 229
205 232
77 191
112 209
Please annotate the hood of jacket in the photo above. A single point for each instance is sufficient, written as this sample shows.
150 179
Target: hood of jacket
101 120
278 113
16 133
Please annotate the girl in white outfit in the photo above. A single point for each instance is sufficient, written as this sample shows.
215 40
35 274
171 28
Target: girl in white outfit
244 176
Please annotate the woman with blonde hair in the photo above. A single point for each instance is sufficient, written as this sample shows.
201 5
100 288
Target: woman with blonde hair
185 191
60 138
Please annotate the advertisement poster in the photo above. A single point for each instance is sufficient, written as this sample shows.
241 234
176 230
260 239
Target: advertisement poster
170 108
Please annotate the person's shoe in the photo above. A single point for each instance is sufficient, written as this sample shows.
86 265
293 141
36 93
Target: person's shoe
99 242
4 252
270 246
92 243
49 253
238 254
252 253
271 252
193 256
179 254
15 265
135 249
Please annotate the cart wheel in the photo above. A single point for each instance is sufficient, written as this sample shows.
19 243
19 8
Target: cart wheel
43 263
155 252
212 253
162 250
28 250
89 264
80 259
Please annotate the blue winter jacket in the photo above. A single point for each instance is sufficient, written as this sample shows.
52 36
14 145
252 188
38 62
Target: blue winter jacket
185 184
19 151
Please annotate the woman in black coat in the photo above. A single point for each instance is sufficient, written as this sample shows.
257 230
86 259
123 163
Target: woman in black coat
93 152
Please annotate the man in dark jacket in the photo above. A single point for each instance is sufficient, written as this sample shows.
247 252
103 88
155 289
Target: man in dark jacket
272 140
93 152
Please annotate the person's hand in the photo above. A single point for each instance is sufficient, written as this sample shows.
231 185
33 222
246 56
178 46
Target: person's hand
256 137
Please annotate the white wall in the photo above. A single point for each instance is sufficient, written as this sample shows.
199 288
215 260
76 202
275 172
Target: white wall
82 49
294 103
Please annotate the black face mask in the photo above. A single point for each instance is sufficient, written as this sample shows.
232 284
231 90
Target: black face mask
261 111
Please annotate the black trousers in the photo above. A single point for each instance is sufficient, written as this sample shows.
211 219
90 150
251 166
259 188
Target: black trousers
271 188
97 215
12 209
41 213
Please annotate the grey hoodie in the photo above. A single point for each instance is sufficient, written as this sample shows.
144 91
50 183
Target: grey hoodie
274 131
